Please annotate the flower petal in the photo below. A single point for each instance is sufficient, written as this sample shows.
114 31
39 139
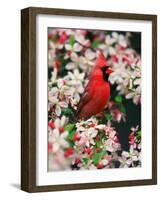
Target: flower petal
68 47
57 110
70 66
77 47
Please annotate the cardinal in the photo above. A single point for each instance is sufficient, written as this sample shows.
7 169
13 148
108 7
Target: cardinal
97 92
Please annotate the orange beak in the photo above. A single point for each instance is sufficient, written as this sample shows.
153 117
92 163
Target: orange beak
109 70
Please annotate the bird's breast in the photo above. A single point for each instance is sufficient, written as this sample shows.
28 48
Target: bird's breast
102 93
99 96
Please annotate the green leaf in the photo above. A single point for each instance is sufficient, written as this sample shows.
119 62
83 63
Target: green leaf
95 44
67 112
118 99
138 136
70 135
71 130
123 109
69 127
98 143
85 160
71 40
109 117
97 157
139 133
63 72
71 143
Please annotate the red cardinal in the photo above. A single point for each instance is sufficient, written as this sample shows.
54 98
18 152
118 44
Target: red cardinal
97 91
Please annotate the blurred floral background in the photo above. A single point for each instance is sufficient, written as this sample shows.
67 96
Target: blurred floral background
112 140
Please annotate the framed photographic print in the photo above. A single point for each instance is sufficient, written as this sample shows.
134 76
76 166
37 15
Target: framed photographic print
89 99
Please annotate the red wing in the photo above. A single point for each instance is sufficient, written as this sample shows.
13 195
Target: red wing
86 97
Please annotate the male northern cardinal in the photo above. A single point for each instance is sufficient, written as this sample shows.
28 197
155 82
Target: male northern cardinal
97 91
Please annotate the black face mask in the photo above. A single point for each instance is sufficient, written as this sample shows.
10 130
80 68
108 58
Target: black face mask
105 74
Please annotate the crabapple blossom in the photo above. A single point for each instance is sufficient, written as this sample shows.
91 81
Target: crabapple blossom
92 143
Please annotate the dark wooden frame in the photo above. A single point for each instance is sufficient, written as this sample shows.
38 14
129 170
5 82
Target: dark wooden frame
28 98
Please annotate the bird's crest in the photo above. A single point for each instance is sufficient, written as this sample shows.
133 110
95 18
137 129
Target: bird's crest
101 60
